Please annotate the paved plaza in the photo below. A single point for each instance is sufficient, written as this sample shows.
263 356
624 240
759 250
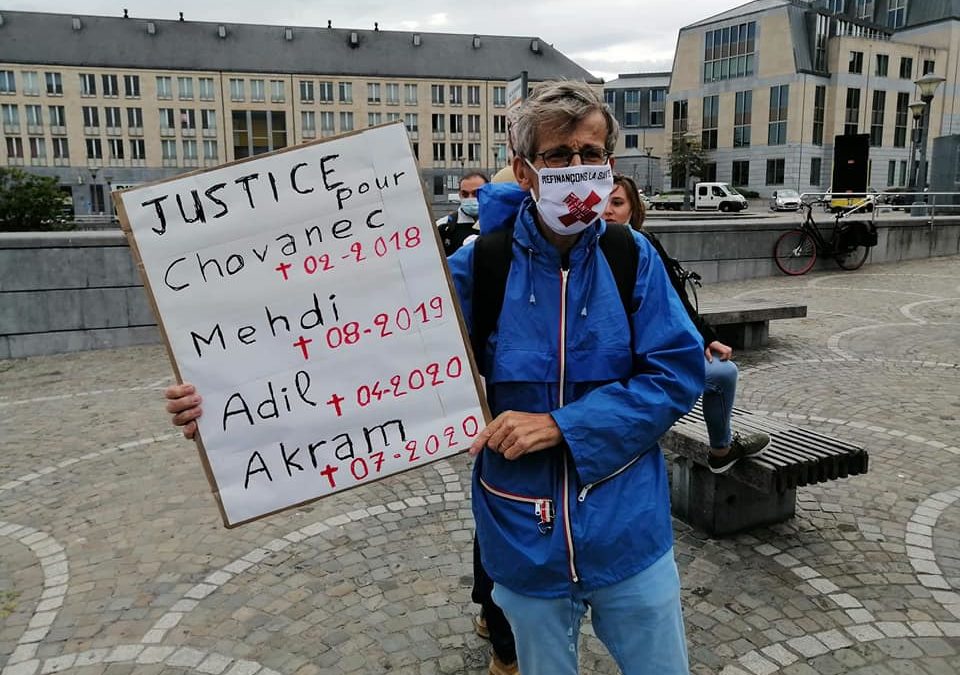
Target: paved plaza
113 559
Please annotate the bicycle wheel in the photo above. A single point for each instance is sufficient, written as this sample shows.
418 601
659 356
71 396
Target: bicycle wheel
852 259
795 252
691 288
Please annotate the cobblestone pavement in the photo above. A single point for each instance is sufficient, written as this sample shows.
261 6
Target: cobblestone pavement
113 559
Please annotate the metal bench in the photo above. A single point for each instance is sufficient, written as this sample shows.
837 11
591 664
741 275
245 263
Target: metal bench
758 491
745 324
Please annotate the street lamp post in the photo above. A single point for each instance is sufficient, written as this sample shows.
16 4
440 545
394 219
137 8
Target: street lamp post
647 187
688 139
916 111
928 86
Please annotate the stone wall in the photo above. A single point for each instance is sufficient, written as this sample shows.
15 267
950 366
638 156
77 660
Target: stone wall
63 292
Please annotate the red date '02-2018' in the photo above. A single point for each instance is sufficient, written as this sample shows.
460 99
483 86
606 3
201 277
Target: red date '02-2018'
382 247
451 438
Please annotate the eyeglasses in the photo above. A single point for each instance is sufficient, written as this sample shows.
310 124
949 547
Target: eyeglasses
557 158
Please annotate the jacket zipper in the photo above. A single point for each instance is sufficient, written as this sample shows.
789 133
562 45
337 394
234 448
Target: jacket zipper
589 486
567 525
542 506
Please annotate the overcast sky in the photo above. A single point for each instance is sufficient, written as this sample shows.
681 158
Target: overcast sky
605 37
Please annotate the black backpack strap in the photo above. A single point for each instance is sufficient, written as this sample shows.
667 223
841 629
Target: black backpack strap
492 254
620 250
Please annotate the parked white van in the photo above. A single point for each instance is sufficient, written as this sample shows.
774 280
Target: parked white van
718 197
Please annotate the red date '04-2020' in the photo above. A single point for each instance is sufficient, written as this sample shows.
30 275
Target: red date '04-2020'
432 375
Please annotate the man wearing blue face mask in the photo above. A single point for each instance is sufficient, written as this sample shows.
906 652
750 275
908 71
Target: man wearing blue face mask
570 492
460 225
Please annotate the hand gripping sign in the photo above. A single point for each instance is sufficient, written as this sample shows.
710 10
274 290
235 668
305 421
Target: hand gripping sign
304 294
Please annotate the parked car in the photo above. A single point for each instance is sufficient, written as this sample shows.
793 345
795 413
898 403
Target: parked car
785 200
898 197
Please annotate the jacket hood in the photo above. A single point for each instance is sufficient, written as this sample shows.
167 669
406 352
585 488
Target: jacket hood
499 205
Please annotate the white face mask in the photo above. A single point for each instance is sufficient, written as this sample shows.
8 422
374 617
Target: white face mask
573 197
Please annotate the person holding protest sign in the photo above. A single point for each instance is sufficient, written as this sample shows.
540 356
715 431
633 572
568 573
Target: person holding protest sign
584 372
726 448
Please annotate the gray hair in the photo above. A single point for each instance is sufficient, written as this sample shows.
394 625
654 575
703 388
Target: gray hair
558 105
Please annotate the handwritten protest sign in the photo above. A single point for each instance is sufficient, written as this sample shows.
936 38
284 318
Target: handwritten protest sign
304 294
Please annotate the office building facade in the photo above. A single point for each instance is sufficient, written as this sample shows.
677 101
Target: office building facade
106 102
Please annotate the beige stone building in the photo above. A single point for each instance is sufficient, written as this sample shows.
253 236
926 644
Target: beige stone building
767 86
102 102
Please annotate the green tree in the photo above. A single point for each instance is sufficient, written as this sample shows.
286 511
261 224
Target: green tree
681 152
30 203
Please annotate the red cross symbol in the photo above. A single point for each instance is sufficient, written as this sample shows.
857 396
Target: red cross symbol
581 210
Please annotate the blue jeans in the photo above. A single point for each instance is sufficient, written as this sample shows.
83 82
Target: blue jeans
718 396
639 620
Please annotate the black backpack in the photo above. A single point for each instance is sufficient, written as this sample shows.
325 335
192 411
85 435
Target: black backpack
492 254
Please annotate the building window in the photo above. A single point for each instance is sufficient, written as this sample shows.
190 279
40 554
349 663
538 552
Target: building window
852 111
892 172
499 97
88 84
437 123
115 147
900 120
165 87
658 99
58 116
134 118
237 89
91 117
38 150
473 152
779 102
903 173
346 121
439 152
111 86
876 118
34 117
54 84
473 125
836 6
456 94
710 171
708 136
906 68
373 92
610 97
436 94
856 63
206 89
210 150
410 120
499 124
883 63
742 119
94 148
168 150
631 99
456 124
167 123
819 109
729 52
188 120
393 117
113 118
346 92
896 13
775 171
820 43
631 141
473 97
815 163
679 117
185 88
631 119
741 172
864 9
456 152
138 149
258 131
61 149
410 94
208 121
131 86
11 118
326 92
189 150
393 93
928 66
278 91
374 118
15 147
327 126
31 83
258 90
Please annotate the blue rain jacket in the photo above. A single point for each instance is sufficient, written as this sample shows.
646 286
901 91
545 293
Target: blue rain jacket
596 509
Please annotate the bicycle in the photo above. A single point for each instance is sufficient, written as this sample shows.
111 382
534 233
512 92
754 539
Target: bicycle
795 251
691 282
